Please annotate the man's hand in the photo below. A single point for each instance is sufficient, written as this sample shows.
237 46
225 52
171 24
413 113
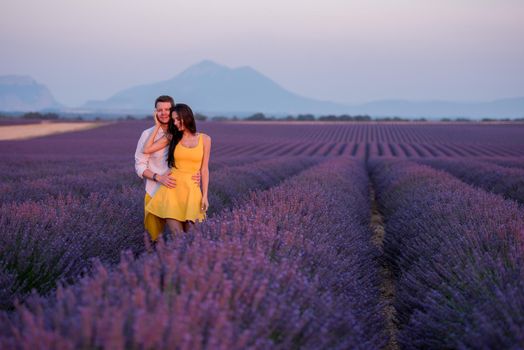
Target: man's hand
166 180
196 178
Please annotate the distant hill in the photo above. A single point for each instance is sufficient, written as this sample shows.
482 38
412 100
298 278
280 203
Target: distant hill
19 93
210 87
216 89
503 108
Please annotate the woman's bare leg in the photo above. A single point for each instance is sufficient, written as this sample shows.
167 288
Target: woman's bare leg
176 227
186 225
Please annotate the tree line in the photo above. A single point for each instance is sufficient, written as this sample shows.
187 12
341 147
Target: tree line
260 117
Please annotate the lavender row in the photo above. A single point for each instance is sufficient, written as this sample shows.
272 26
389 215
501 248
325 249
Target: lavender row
27 179
53 239
21 169
72 184
120 138
507 162
508 182
222 162
457 257
292 268
227 184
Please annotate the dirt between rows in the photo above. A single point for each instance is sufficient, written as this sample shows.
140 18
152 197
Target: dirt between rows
387 289
28 131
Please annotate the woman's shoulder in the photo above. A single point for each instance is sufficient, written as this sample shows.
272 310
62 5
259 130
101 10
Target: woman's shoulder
205 137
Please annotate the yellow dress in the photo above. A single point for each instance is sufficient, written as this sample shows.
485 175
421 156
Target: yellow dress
183 202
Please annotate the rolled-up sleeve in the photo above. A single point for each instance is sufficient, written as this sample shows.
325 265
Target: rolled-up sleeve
141 159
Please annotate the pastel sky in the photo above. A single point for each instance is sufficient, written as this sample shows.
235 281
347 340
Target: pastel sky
340 50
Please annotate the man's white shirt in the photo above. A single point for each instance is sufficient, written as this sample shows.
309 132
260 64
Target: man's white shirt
156 162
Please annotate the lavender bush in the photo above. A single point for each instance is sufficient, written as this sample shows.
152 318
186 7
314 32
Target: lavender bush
292 139
293 267
82 217
288 268
508 182
36 181
506 162
230 182
457 255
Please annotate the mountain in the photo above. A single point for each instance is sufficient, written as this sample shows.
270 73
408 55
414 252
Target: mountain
502 108
216 89
210 87
19 93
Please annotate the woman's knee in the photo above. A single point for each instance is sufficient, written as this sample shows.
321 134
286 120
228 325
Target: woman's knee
175 226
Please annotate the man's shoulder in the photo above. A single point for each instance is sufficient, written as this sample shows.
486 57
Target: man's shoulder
148 130
145 133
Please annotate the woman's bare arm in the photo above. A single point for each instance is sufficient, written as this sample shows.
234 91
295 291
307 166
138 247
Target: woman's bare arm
151 145
204 171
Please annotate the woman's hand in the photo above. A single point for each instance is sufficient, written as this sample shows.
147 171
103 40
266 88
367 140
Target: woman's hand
151 145
157 122
205 204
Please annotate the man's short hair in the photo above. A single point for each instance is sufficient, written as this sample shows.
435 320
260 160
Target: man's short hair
165 98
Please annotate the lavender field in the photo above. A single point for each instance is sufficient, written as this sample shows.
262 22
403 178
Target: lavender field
320 236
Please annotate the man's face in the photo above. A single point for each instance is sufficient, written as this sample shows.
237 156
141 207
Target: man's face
162 112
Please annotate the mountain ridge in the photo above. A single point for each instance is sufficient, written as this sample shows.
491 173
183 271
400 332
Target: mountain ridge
215 89
23 93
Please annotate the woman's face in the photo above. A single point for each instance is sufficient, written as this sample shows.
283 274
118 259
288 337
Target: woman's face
178 122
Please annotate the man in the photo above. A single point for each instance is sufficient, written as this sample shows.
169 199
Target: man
153 167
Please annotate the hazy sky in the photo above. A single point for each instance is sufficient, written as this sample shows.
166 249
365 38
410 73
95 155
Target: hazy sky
340 50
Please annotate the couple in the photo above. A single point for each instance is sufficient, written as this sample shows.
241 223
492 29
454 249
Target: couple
173 159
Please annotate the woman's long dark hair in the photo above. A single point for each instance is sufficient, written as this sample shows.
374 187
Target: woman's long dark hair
187 118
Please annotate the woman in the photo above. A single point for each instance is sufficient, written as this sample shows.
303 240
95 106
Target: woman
188 153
